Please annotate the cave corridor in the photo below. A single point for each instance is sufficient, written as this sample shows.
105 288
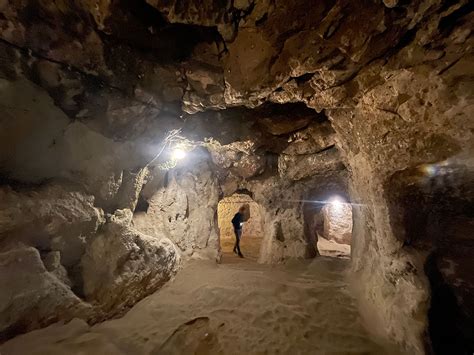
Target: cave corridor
131 133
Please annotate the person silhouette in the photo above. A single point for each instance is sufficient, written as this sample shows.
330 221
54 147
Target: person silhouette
237 222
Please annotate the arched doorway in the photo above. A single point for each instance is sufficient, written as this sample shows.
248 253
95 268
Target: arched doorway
252 231
335 237
330 226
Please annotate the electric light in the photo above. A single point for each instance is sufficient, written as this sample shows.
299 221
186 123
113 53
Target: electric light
336 202
178 154
429 169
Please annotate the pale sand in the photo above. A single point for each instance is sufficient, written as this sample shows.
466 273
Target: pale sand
238 307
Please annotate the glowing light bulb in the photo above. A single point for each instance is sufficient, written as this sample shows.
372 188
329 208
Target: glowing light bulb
178 154
336 203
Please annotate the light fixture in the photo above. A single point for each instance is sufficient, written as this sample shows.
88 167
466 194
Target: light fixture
336 203
178 154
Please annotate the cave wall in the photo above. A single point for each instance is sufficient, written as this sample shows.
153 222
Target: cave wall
287 208
88 93
182 206
398 91
39 142
284 234
337 222
100 200
425 101
62 184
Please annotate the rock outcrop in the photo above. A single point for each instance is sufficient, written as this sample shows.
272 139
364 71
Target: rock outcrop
60 259
50 218
31 296
121 266
181 206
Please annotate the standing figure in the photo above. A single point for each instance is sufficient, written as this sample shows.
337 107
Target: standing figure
237 222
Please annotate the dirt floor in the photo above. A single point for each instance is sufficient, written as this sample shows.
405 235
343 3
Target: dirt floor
238 307
252 233
249 246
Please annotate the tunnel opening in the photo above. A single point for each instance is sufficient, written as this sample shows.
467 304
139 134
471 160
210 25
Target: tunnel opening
252 229
328 223
100 99
333 229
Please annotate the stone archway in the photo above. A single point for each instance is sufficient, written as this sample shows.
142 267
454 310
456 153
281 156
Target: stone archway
334 230
252 233
328 223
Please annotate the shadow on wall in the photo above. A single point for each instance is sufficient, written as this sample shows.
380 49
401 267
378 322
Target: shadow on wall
252 232
432 209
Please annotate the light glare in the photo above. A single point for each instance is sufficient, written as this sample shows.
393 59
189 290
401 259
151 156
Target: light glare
336 202
178 154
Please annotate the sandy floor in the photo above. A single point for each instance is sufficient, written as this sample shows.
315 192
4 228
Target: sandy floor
249 246
234 308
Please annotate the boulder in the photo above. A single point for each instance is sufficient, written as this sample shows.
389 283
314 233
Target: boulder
31 296
122 265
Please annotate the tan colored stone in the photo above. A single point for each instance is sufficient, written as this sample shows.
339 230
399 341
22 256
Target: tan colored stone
89 89
121 266
315 138
32 297
182 206
338 222
54 217
297 167
52 263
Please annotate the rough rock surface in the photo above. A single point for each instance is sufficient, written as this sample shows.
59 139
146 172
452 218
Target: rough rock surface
50 218
121 266
31 296
337 222
314 139
297 167
88 92
39 143
52 263
424 100
284 223
181 206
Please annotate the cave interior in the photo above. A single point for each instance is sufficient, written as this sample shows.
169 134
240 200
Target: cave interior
131 132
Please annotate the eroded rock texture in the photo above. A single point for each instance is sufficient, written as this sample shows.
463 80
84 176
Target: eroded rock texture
337 222
181 205
32 296
121 266
287 101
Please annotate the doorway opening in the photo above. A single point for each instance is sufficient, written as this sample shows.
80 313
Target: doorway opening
252 230
332 227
